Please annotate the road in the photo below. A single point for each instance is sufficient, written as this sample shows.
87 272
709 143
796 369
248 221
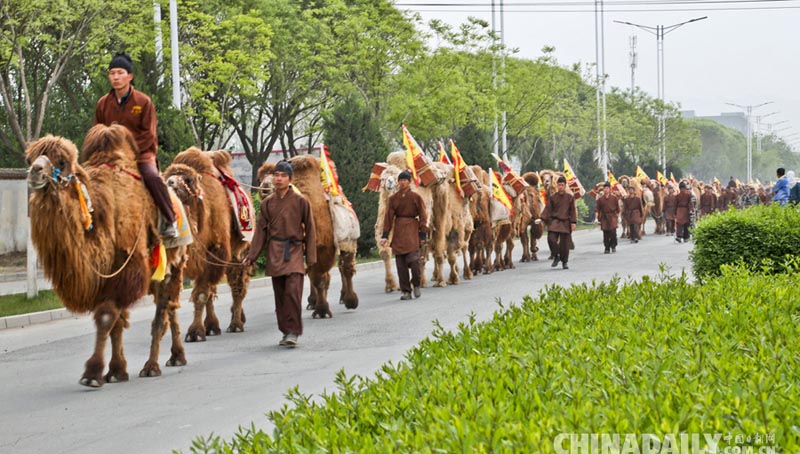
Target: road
234 379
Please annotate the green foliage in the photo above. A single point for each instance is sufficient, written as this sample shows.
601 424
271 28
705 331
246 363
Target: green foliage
660 357
355 142
20 304
760 238
475 145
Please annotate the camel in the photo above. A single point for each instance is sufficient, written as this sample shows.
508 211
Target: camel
306 179
629 184
94 227
529 236
218 247
481 240
655 206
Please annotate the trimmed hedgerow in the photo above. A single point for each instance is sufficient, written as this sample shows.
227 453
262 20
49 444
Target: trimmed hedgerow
761 238
660 357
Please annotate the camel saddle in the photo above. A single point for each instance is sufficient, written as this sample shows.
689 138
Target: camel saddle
240 203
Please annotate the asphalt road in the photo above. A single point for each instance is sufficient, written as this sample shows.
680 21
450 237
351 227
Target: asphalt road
234 379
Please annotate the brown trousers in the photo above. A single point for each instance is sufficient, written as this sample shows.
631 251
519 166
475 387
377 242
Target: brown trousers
406 262
288 291
559 245
158 190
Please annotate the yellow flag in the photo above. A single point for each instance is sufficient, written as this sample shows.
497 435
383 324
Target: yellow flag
661 178
330 183
412 151
640 173
161 269
498 192
503 166
572 181
716 180
611 180
672 178
442 155
458 165
738 183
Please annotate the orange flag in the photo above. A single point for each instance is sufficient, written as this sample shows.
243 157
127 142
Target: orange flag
442 155
412 151
498 192
503 166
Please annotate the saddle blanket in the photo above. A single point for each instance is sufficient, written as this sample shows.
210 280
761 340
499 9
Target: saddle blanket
241 204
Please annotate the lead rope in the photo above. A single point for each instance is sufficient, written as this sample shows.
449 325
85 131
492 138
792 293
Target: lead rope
133 250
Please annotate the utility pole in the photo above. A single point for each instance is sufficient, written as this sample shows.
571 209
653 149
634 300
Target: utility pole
759 135
495 135
749 111
176 69
600 88
159 42
633 59
660 31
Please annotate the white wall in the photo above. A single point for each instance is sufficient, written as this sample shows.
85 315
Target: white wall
13 214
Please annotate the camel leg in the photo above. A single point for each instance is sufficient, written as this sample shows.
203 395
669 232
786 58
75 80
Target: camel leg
157 330
466 261
238 279
347 269
452 257
389 278
438 265
105 317
177 353
212 322
196 331
509 263
118 366
320 283
523 238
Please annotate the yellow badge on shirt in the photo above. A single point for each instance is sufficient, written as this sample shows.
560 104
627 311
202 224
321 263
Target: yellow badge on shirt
136 110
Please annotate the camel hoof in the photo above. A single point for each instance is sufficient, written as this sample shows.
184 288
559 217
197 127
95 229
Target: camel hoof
388 290
116 378
176 362
214 331
195 337
235 329
322 314
150 370
351 304
90 382
440 284
311 307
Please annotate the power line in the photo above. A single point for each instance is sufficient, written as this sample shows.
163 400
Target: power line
610 3
583 6
657 10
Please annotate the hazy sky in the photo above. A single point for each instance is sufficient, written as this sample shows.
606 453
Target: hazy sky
739 55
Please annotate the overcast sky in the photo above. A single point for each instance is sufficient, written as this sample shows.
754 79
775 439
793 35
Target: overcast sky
746 52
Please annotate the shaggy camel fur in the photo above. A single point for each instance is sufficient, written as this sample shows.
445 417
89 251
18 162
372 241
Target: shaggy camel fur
452 232
531 231
480 243
654 207
306 179
106 268
193 175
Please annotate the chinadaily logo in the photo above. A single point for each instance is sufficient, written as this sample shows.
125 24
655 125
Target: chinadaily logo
681 443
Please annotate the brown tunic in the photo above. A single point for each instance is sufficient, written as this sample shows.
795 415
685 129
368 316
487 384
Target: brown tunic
136 113
669 207
406 213
608 212
560 212
708 203
285 222
683 207
634 210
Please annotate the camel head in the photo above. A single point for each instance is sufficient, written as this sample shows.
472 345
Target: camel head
389 179
265 179
51 160
185 181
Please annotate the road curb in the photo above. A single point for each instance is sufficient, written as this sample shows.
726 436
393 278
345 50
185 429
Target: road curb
23 320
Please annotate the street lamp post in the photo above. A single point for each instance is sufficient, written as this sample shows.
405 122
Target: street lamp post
660 31
749 110
759 135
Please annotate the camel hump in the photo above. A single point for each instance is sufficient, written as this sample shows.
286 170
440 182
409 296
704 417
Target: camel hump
109 144
196 159
222 160
397 159
304 162
265 169
531 178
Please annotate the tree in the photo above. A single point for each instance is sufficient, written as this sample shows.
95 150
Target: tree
38 41
354 138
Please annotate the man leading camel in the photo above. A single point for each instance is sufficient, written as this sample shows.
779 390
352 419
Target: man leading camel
561 217
286 228
134 110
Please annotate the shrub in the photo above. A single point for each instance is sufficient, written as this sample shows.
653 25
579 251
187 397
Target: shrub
662 357
759 237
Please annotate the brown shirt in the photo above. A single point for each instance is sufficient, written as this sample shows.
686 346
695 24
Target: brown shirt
608 211
560 212
136 113
669 206
683 207
406 213
634 210
285 222
708 203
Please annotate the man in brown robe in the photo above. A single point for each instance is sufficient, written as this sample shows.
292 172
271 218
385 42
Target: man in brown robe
634 212
134 110
669 209
607 212
708 201
561 218
682 213
406 215
285 227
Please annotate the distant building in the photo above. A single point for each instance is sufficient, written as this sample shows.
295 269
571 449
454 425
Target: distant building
243 170
735 120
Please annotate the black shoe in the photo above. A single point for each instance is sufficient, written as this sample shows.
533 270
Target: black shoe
613 250
555 262
417 292
169 230
677 240
405 296
564 266
635 241
607 251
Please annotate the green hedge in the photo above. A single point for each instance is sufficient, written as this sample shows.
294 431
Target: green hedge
660 357
760 238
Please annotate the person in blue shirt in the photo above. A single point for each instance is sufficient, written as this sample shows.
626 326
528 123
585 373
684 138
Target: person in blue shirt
781 188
